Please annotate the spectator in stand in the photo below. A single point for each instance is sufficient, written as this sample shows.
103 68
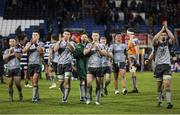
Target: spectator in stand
1 62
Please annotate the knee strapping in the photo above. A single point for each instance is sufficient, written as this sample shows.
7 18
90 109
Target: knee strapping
167 77
133 69
60 77
67 75
82 82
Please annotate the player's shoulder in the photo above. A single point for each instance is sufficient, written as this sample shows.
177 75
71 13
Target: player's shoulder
41 43
6 50
135 39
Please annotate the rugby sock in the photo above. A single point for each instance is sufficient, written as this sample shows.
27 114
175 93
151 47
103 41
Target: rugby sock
89 92
82 90
11 92
26 81
66 93
124 88
37 92
62 88
159 96
101 88
35 88
134 82
168 96
52 79
106 84
97 94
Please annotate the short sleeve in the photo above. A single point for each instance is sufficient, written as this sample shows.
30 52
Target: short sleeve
72 44
110 49
135 41
6 51
41 44
88 45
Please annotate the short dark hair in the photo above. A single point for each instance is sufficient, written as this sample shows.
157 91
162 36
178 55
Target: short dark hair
36 31
95 32
54 37
84 33
67 30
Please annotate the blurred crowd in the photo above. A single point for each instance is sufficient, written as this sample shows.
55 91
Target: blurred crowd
156 11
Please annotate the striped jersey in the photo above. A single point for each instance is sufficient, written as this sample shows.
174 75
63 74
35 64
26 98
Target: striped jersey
46 47
24 59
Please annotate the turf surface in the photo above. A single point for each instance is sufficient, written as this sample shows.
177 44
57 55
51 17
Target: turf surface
142 103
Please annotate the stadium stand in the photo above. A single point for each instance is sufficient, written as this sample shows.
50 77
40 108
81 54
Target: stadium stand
103 15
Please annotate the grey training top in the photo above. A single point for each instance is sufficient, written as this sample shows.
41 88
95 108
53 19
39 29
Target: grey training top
65 55
118 50
105 60
95 58
13 62
162 54
55 55
34 56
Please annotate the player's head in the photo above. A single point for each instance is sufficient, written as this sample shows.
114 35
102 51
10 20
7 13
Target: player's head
54 38
163 36
118 38
35 36
95 36
12 42
66 35
103 40
84 37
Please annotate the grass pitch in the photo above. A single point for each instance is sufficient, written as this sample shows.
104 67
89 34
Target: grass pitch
142 103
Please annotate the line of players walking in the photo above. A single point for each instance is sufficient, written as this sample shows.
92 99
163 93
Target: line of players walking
95 60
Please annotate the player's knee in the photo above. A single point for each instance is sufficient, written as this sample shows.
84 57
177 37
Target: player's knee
67 75
166 77
89 83
82 82
66 85
60 77
123 77
107 77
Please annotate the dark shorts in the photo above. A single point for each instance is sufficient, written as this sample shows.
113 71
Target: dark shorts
106 70
96 72
54 66
45 61
14 72
133 61
34 68
120 65
62 68
24 67
163 69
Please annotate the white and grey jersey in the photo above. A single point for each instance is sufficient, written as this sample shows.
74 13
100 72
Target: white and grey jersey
95 58
13 62
162 54
46 47
33 55
105 60
118 50
65 55
55 55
